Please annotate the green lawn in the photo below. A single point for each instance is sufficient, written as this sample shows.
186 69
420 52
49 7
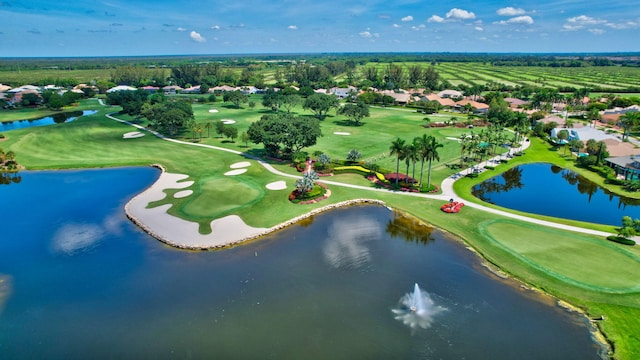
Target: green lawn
589 272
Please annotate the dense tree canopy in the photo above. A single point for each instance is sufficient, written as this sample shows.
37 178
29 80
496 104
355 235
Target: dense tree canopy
320 104
283 134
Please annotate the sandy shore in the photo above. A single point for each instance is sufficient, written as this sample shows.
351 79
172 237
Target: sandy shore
180 233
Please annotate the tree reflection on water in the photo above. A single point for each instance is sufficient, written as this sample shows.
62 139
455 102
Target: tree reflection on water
508 180
409 228
9 177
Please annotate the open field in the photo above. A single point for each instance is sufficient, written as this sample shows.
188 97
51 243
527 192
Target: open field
585 279
606 78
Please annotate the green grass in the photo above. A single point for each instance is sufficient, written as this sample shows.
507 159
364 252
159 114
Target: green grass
556 253
589 272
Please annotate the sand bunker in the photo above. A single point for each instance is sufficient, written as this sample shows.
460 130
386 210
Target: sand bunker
179 232
213 110
132 135
182 194
239 165
228 121
235 172
277 185
341 133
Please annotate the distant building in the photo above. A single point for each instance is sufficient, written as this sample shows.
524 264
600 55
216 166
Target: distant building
122 88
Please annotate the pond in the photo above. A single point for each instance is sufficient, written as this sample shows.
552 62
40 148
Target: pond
78 280
49 120
547 189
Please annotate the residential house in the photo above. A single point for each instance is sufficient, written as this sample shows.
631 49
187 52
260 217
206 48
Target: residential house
515 103
151 89
450 94
192 90
121 88
478 107
171 89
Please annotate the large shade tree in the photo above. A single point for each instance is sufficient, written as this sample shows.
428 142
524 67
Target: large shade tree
354 112
320 104
283 134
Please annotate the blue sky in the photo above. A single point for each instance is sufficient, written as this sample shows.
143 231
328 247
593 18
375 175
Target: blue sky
176 27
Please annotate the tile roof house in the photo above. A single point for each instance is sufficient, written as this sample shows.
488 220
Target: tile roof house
477 106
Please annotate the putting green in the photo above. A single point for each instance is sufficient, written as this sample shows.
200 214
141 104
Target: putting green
220 195
569 257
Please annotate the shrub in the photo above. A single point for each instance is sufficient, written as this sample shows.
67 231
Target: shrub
472 175
351 169
489 167
620 240
1 136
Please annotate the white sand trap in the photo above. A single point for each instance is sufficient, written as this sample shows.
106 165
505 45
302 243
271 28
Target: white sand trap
277 185
239 165
235 172
213 110
341 133
452 138
179 232
228 121
182 194
132 135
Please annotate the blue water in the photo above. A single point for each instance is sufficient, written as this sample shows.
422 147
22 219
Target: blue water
549 190
49 120
79 281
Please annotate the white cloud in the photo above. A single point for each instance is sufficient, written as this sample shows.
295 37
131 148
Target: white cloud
582 22
181 29
585 20
407 18
197 37
436 19
396 26
292 27
419 27
366 34
478 28
510 11
597 31
459 14
522 20
215 27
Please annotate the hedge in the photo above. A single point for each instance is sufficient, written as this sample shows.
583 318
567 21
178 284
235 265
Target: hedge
620 240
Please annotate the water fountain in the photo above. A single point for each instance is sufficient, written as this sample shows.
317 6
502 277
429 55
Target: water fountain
417 309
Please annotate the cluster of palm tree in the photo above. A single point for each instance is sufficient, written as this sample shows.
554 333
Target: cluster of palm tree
422 149
486 142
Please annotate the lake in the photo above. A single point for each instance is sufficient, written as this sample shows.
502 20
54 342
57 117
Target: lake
79 280
48 120
547 189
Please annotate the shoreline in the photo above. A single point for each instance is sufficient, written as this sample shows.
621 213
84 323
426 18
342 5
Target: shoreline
182 234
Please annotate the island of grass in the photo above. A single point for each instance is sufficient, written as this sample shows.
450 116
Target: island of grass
97 141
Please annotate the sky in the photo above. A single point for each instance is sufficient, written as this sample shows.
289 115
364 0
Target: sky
48 28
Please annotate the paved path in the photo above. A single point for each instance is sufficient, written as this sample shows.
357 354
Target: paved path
446 186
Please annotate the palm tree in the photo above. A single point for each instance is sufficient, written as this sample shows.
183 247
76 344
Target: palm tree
593 115
431 153
629 121
397 148
408 154
421 143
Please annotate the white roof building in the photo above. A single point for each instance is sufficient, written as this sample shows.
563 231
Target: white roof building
121 88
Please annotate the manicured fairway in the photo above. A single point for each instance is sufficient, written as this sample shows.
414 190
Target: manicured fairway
569 257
